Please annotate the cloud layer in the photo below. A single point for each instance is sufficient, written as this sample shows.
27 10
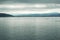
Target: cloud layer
29 6
29 1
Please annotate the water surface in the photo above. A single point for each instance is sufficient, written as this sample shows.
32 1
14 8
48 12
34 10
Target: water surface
30 28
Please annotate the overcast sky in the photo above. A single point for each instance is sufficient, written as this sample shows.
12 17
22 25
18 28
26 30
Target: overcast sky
29 6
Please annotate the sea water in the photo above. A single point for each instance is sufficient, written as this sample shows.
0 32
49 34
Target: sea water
30 28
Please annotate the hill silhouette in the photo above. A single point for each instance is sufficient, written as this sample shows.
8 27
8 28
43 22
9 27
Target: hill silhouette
40 15
31 15
5 15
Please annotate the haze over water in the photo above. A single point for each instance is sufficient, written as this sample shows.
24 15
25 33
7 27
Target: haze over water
30 28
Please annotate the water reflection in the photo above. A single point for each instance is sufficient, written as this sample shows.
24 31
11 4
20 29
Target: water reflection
29 28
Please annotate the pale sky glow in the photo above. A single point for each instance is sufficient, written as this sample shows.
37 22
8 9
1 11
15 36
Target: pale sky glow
29 8
23 5
32 12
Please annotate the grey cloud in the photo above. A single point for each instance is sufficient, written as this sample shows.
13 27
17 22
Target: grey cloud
27 8
29 1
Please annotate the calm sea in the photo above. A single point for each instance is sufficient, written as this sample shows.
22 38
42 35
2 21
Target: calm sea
30 28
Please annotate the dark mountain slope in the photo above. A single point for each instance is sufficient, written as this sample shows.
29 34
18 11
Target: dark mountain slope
40 15
5 15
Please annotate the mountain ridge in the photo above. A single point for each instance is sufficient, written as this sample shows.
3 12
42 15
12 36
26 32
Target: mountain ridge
5 15
31 15
40 15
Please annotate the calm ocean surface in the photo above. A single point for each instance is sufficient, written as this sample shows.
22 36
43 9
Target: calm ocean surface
30 28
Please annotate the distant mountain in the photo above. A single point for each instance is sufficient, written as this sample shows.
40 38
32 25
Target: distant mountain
31 15
5 15
40 15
